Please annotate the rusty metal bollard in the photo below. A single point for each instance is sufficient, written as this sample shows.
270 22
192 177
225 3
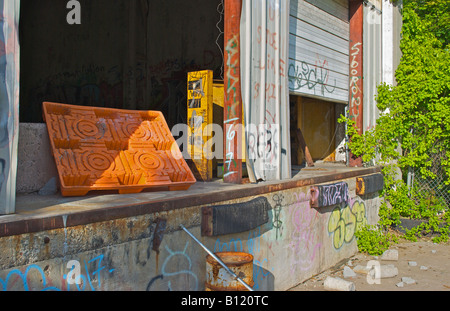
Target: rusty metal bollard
218 279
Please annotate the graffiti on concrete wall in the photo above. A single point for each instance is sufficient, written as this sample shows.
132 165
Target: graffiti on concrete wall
277 219
328 195
92 278
26 279
304 242
33 277
298 234
176 273
345 221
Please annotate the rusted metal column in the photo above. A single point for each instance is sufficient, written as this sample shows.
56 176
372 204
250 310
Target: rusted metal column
356 71
233 97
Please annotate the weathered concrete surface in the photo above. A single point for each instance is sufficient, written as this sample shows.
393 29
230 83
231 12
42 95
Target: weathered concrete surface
35 160
436 278
118 253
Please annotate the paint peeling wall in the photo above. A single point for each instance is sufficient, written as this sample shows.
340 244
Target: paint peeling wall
297 243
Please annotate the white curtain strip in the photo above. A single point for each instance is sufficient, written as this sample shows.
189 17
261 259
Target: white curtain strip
265 94
9 102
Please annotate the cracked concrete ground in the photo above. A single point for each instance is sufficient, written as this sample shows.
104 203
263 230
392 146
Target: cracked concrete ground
431 271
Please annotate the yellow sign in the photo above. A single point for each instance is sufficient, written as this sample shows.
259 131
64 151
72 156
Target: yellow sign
200 114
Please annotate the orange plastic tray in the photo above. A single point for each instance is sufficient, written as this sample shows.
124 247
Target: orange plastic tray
113 149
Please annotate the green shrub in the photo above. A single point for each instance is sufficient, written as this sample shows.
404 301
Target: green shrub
373 240
413 128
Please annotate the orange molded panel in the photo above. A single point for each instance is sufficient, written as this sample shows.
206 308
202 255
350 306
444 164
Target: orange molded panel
113 149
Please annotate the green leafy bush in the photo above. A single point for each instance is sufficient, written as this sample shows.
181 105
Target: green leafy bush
373 240
413 127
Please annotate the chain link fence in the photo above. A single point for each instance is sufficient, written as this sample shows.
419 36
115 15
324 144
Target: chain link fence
434 187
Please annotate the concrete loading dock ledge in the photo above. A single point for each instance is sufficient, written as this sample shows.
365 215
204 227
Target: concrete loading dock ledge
113 235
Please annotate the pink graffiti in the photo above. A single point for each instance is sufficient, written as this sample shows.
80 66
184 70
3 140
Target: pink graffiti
304 242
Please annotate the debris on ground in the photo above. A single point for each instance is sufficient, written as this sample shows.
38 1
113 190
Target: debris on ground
418 266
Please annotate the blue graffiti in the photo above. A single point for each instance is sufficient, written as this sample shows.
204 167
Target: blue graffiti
171 261
232 245
27 280
259 273
24 277
88 279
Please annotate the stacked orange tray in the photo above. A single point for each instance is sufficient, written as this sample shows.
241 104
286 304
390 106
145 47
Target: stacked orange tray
114 149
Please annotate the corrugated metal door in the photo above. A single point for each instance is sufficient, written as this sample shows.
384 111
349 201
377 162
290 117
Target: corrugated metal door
319 49
264 58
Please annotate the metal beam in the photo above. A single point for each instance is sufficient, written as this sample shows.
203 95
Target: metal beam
356 71
233 96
